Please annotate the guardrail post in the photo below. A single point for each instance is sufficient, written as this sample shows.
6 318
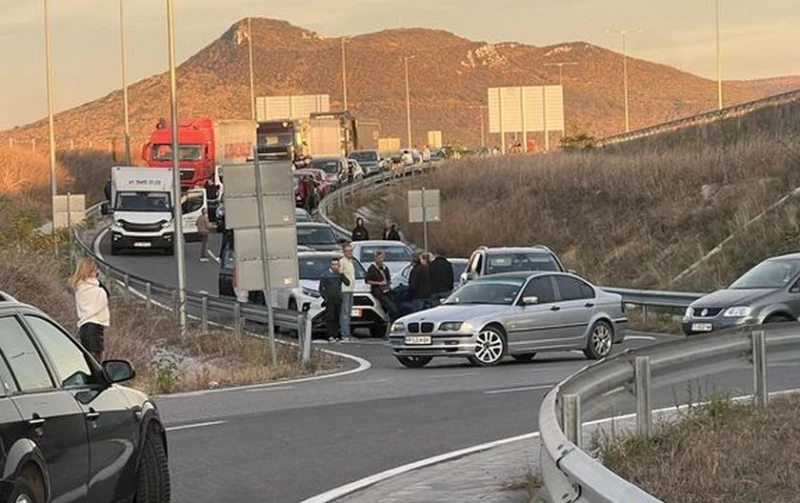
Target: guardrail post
644 414
760 368
126 280
237 318
204 316
571 418
304 336
175 307
645 313
148 294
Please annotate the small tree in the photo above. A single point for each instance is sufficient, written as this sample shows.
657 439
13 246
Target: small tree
577 138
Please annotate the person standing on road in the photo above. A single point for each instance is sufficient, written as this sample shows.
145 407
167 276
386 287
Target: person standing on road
419 282
360 233
91 304
203 229
426 154
107 189
441 272
349 272
330 289
390 232
380 280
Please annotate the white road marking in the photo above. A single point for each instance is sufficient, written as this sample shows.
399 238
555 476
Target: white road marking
442 376
274 388
514 390
373 381
197 425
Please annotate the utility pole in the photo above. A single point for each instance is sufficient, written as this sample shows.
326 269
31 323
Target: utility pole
126 117
719 60
408 105
560 66
252 77
49 70
176 171
344 74
624 34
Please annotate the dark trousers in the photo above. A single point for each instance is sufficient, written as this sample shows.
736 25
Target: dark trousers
92 338
386 303
332 310
203 245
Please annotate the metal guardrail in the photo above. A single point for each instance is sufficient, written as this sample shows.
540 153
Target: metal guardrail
571 474
702 118
206 308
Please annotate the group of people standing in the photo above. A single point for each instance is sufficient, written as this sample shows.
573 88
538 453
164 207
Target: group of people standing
361 233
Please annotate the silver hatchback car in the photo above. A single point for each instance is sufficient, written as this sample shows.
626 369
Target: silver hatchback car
517 314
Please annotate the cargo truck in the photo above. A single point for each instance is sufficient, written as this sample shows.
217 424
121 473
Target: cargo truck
281 139
204 144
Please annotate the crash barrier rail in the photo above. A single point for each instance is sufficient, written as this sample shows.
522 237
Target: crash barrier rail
642 298
208 309
702 118
573 475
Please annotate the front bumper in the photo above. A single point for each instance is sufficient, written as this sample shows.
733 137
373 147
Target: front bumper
695 326
369 317
143 241
442 344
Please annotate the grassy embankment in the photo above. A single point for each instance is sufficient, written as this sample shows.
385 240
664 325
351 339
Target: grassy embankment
635 215
165 362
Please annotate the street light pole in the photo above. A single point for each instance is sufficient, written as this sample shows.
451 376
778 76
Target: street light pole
124 83
408 105
344 74
252 76
624 34
719 60
49 70
560 66
176 171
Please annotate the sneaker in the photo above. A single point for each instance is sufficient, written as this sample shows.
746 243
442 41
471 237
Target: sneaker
331 340
338 340
347 339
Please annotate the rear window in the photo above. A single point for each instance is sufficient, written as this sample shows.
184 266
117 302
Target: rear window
515 262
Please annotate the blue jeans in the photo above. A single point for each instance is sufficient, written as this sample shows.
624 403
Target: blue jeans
344 316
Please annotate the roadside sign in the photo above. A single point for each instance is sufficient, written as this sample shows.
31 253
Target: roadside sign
68 210
423 206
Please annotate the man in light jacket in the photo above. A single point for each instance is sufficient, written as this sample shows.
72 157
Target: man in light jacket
348 271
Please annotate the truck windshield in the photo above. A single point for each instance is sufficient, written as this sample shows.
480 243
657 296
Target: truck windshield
143 201
330 166
364 156
163 152
275 140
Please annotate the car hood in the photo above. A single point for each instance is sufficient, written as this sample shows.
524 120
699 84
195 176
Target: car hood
730 298
313 285
325 247
395 268
466 312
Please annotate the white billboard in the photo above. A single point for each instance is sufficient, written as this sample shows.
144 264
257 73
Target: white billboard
526 109
270 108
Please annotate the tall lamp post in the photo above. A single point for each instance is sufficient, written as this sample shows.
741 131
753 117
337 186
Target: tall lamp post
624 34
560 66
176 170
719 59
344 74
252 73
49 70
408 102
126 117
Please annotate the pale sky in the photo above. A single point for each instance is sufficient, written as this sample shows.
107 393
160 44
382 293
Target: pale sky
760 38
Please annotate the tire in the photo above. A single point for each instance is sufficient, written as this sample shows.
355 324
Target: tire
490 348
601 340
23 493
524 357
153 484
414 362
377 331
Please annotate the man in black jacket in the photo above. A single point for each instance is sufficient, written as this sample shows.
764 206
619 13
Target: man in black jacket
441 271
330 289
419 282
390 232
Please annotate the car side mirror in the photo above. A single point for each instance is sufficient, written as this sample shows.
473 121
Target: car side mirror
105 209
530 300
118 370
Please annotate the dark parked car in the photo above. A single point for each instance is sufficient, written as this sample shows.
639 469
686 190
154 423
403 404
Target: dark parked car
69 431
318 236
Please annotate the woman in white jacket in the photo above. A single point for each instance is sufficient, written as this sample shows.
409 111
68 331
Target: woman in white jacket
91 303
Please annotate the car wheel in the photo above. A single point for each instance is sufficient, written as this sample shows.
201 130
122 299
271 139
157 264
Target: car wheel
778 318
153 485
414 362
377 331
524 357
23 493
601 339
490 347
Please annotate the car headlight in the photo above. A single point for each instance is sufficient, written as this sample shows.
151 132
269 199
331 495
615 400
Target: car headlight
398 327
311 293
688 312
455 326
737 312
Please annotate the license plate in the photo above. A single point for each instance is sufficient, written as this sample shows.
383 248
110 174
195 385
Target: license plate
355 313
145 244
418 339
702 327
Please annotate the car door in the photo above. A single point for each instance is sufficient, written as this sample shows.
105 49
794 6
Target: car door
577 308
113 430
192 203
537 326
53 420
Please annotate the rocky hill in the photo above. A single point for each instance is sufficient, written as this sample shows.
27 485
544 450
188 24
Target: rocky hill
448 80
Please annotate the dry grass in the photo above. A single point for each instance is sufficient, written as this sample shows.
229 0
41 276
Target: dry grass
635 215
721 451
165 363
528 486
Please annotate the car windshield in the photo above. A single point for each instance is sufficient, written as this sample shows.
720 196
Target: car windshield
487 291
769 274
330 166
311 268
514 262
393 253
307 236
364 156
301 215
143 201
163 152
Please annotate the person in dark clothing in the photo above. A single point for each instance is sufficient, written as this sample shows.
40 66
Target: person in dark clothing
380 279
212 190
330 289
419 282
360 233
107 189
390 232
441 272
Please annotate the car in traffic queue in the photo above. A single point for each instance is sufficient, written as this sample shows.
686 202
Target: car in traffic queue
458 264
397 254
366 313
518 314
354 167
370 160
767 293
485 261
332 166
318 236
323 184
70 431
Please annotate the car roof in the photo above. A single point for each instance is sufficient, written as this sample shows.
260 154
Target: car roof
6 298
510 275
327 158
516 249
379 242
787 256
313 224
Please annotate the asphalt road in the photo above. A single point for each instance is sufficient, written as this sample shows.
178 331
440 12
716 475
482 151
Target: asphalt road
288 442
